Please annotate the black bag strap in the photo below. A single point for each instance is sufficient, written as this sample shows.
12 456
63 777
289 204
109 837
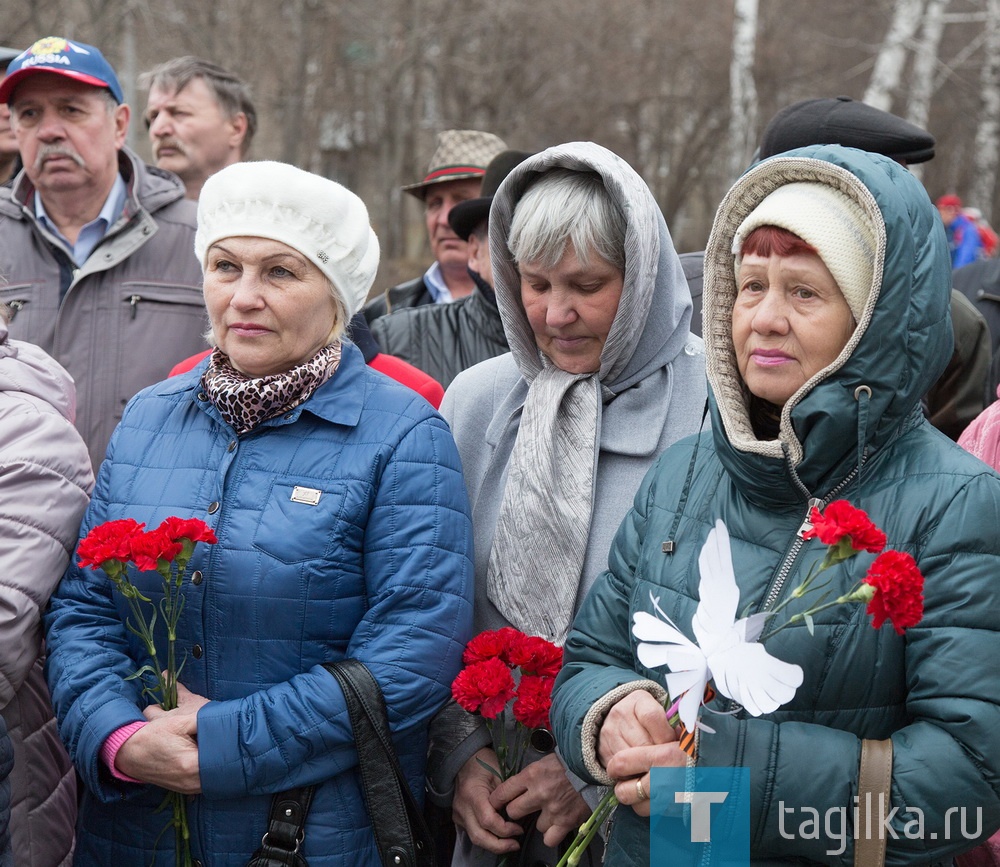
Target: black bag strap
285 830
400 831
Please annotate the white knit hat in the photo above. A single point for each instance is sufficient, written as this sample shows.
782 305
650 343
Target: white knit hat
830 221
319 218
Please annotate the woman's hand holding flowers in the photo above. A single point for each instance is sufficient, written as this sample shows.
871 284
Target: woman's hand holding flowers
164 752
543 787
472 810
635 737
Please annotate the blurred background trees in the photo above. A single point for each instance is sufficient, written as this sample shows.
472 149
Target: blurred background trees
679 88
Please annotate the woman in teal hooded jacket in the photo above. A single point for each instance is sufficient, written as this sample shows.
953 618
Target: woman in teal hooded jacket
836 416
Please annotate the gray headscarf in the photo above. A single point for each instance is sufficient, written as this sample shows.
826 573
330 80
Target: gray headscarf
541 533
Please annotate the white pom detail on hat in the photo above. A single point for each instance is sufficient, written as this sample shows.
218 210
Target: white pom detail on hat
830 221
319 218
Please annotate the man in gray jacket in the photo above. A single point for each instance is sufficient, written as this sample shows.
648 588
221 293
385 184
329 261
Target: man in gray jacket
96 247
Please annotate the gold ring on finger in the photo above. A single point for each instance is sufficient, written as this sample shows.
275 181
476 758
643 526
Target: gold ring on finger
639 791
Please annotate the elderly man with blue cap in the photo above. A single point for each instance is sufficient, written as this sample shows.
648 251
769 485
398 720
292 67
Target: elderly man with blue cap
97 248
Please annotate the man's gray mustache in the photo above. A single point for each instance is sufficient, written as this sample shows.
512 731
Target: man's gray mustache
58 151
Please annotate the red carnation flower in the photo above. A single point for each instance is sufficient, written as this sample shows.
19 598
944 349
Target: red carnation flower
492 644
108 541
840 520
193 529
148 548
485 687
535 655
899 591
534 701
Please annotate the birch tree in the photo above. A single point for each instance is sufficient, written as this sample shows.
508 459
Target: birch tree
891 57
742 88
925 61
988 131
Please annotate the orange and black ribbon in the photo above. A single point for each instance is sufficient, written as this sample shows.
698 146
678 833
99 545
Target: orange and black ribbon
686 739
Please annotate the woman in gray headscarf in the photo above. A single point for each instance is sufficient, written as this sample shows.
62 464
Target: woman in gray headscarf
555 437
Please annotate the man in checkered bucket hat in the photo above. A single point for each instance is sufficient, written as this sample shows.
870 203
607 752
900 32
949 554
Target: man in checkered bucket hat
455 174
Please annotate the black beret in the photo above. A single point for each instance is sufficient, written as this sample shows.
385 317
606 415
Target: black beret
847 122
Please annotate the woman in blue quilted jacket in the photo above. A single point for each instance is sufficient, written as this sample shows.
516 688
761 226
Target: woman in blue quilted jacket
343 532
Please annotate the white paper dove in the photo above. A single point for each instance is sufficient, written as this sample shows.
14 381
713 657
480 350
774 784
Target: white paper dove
726 650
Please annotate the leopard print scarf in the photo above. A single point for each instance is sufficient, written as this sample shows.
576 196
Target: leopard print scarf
245 402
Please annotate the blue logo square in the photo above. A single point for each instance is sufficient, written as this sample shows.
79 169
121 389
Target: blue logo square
699 816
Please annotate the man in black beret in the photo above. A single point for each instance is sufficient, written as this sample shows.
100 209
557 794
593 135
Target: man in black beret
844 121
961 392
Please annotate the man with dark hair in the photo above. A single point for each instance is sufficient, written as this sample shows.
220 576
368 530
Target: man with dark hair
96 248
445 339
961 392
200 119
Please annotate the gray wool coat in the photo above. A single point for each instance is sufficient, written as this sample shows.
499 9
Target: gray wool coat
657 398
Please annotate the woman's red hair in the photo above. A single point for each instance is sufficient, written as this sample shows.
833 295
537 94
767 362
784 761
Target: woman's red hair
774 241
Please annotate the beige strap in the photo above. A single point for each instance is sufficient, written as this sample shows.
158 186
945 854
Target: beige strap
874 795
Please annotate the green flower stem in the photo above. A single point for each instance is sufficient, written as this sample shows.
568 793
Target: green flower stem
588 830
165 689
182 833
858 593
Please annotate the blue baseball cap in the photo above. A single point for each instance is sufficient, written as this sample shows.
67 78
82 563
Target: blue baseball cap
59 56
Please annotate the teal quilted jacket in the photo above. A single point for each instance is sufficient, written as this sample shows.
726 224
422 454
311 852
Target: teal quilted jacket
855 431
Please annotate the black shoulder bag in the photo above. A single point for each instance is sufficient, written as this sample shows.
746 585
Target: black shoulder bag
401 834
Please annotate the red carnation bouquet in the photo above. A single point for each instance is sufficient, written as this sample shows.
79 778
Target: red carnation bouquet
893 586
505 672
114 547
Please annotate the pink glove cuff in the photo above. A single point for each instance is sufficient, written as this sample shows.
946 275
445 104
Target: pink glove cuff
114 743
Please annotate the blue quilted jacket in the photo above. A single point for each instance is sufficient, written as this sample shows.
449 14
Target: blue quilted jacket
379 569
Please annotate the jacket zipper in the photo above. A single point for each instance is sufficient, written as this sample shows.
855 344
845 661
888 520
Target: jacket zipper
786 567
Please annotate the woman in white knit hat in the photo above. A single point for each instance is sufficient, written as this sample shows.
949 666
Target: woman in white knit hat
343 532
826 319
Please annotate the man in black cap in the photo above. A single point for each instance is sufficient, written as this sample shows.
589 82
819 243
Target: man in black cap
445 339
961 392
845 121
9 165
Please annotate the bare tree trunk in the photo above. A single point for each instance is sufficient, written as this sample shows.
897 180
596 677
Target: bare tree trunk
892 55
294 110
129 71
988 131
925 62
742 88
